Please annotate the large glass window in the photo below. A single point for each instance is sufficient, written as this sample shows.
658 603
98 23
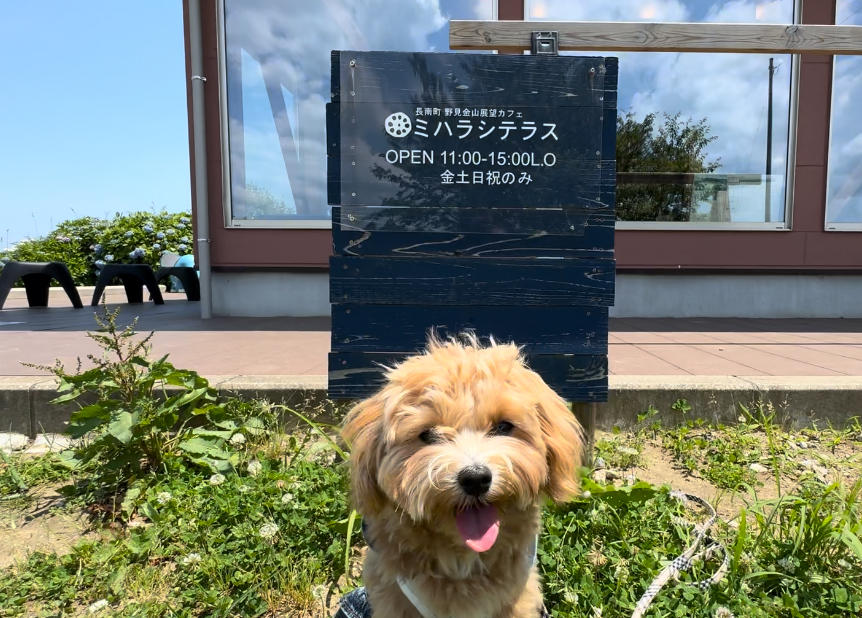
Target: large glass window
844 179
701 138
277 65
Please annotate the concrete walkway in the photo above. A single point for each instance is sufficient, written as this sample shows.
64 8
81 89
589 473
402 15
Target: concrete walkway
659 360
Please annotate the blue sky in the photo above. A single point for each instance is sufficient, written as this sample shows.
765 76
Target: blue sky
92 111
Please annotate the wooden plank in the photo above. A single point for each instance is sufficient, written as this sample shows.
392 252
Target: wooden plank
471 281
372 182
575 377
439 80
662 37
404 328
529 221
428 244
581 235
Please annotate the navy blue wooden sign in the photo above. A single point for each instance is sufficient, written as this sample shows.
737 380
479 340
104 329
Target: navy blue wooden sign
472 192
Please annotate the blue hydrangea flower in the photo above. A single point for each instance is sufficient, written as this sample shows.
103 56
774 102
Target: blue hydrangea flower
182 247
97 249
180 226
157 246
129 234
148 228
137 253
184 220
4 259
109 257
160 235
184 239
100 263
171 232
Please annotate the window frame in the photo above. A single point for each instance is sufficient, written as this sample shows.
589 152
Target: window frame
827 225
790 176
227 206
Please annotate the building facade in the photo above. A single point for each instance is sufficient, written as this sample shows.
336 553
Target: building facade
739 176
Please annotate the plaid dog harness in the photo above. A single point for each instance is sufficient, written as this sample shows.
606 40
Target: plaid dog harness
355 604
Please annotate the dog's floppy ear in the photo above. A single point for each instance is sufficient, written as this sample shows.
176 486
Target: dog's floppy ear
362 431
564 439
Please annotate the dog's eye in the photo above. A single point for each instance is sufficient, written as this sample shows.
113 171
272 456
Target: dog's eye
429 436
503 428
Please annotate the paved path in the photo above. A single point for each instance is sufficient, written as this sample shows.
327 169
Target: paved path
298 346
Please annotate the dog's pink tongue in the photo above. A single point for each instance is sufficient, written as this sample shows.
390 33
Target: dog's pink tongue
479 527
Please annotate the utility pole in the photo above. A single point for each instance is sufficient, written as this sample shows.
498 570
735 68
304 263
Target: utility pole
768 208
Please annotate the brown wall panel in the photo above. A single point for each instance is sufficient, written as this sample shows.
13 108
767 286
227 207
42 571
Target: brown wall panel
807 246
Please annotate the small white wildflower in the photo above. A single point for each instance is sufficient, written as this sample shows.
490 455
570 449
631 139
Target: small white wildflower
254 468
723 612
287 498
597 612
163 497
787 565
679 521
98 606
192 558
244 489
216 479
571 597
319 592
269 530
587 494
237 438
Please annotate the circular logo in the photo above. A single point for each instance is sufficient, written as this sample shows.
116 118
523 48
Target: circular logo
398 124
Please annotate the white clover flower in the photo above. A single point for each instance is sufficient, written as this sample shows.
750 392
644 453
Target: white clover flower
217 479
268 530
163 497
723 612
192 558
287 498
597 612
244 489
98 606
679 521
787 565
237 438
571 597
254 468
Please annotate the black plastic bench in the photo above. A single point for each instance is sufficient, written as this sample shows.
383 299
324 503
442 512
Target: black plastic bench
37 278
187 275
134 277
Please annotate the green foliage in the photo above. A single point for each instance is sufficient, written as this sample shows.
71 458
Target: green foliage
675 145
86 244
19 473
135 413
240 545
260 203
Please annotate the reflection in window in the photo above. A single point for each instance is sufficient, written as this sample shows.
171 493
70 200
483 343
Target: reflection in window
693 129
844 179
278 83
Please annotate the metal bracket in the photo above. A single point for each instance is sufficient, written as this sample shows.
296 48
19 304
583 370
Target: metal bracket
545 43
200 77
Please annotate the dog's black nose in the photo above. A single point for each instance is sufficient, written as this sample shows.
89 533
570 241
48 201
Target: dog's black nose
475 480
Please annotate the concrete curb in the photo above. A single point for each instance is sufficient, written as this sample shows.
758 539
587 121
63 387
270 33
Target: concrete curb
796 401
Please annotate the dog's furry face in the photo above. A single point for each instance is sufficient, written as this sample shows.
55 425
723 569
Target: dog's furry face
460 438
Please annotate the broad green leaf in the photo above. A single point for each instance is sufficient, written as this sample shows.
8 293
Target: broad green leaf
78 429
121 426
198 446
213 433
851 541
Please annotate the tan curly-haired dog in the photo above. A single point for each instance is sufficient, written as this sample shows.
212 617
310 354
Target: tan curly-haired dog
448 463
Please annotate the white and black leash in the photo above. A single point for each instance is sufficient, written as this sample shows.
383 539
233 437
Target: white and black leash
685 561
